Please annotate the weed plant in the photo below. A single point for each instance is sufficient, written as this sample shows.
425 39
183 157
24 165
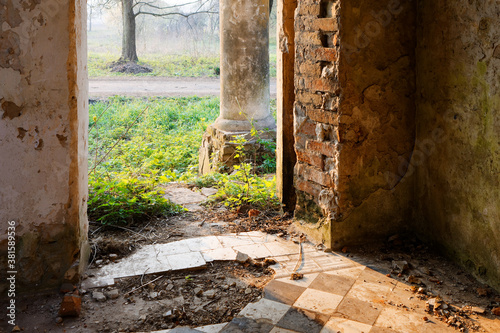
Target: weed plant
137 145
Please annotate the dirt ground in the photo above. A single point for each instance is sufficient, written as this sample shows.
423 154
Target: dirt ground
217 293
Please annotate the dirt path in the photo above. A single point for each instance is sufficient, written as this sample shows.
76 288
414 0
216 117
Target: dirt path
158 86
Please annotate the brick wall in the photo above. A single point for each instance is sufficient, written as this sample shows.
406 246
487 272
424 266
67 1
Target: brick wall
316 107
354 116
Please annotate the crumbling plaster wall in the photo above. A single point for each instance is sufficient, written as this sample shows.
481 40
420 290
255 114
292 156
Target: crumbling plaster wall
458 131
43 124
354 117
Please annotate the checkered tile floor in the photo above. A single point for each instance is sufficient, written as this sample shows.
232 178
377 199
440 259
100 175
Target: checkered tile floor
340 300
335 295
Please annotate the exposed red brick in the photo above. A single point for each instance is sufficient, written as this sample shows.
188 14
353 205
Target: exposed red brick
307 128
324 148
324 54
300 141
308 187
323 116
322 84
314 174
308 9
307 97
308 39
325 24
309 69
310 158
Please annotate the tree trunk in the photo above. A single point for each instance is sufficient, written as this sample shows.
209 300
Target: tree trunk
129 50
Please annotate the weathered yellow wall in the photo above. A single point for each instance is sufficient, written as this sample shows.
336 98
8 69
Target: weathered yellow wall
458 132
43 123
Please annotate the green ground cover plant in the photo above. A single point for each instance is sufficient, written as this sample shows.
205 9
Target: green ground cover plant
136 145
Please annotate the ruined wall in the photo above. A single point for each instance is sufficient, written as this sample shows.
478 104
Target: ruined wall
354 117
43 122
458 131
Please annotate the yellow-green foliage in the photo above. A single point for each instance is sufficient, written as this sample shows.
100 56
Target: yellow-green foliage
135 145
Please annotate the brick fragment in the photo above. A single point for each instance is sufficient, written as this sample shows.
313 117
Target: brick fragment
71 306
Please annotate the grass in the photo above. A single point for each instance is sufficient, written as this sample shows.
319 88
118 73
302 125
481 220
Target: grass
136 144
164 65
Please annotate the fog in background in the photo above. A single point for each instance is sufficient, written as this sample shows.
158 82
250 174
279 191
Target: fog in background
196 36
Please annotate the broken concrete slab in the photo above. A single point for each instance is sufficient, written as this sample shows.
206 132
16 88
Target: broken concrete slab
183 196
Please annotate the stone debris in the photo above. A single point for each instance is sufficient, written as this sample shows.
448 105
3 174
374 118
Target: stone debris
400 266
98 296
209 191
242 257
113 294
496 311
210 293
198 291
413 279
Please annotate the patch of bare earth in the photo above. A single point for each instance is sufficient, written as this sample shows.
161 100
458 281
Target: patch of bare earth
162 301
129 67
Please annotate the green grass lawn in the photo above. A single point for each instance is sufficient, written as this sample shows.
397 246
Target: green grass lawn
164 65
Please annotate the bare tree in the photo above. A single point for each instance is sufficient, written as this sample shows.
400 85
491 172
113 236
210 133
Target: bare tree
131 9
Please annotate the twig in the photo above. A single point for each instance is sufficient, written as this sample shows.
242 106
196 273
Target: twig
294 273
130 230
118 141
142 286
97 119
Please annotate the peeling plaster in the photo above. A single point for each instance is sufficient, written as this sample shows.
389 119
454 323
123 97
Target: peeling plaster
11 110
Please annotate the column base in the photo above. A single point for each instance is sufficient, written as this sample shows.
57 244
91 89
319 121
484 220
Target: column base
218 149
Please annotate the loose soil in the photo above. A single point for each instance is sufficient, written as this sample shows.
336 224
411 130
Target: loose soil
198 298
129 68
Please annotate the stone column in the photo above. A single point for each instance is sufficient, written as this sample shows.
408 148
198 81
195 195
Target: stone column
244 31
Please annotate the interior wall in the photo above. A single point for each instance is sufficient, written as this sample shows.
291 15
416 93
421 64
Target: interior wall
458 132
377 119
43 124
